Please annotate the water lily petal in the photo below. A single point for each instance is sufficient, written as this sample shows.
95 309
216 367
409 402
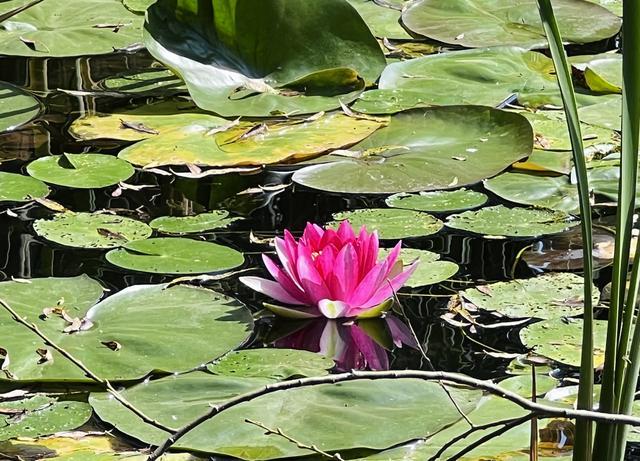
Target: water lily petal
284 280
288 257
369 284
312 235
344 277
333 309
271 289
310 278
345 232
390 286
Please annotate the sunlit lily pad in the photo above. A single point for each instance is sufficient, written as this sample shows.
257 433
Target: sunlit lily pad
606 114
384 22
19 188
545 161
430 269
604 181
548 296
500 221
91 230
438 201
250 143
284 56
68 28
129 334
81 171
478 23
175 255
561 340
17 107
138 6
615 6
336 417
217 219
391 223
146 82
604 73
271 363
427 149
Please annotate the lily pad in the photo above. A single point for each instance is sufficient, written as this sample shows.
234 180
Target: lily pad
91 230
615 6
140 329
391 224
271 363
217 219
500 221
17 107
41 415
69 28
606 114
605 74
427 149
552 192
81 171
145 82
545 161
430 269
339 417
138 6
20 188
561 340
479 23
175 255
438 201
384 22
604 181
548 296
283 56
250 143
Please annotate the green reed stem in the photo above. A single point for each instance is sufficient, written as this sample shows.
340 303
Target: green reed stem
583 437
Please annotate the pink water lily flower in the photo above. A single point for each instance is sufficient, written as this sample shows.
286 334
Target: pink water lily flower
332 273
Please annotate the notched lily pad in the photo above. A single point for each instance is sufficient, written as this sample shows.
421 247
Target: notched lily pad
19 188
430 269
391 223
217 219
17 107
438 201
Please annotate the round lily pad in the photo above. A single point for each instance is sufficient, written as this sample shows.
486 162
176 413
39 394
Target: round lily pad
271 363
438 201
545 297
384 22
484 23
615 6
16 106
430 269
391 223
91 230
606 114
175 255
81 171
604 74
20 188
500 221
217 219
561 340
131 333
68 28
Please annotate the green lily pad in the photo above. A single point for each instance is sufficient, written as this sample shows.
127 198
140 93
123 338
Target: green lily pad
552 192
500 221
140 329
91 230
606 114
69 28
545 161
20 188
427 149
615 6
138 6
41 415
146 82
143 122
561 340
175 255
217 219
266 58
339 417
430 269
17 107
548 296
479 23
391 223
384 22
250 143
438 201
271 363
81 171
605 74
603 181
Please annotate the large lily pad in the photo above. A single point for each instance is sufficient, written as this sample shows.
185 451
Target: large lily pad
250 143
438 201
17 107
175 255
478 23
133 332
41 415
216 219
91 230
604 181
334 417
427 149
265 58
20 188
606 114
500 221
615 6
391 224
546 297
561 340
81 171
384 22
430 269
69 28
545 161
